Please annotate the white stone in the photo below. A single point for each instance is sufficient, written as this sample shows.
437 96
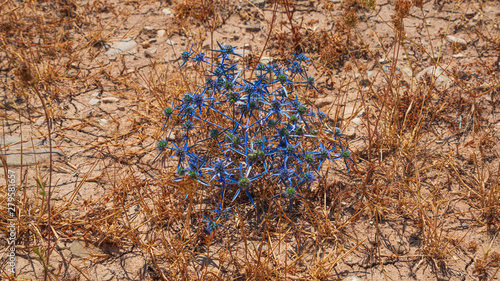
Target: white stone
94 101
102 122
122 46
441 79
78 249
324 101
356 121
161 33
458 55
167 12
170 42
452 39
109 99
266 60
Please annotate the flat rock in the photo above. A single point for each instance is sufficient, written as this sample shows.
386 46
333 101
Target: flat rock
266 60
252 27
452 39
161 33
324 101
128 45
150 53
78 249
94 101
32 152
356 121
170 42
167 12
109 99
441 80
102 122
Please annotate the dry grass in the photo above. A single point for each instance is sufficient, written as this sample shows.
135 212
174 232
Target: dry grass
423 195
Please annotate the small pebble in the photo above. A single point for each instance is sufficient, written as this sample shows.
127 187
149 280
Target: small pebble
252 27
452 39
109 99
94 101
102 122
167 12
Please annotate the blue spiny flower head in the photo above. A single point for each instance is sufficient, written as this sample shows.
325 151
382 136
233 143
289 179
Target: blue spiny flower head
214 133
198 99
309 158
249 88
309 177
301 109
191 174
212 225
295 68
284 174
324 153
272 123
301 58
232 97
290 192
346 154
168 112
244 183
284 133
261 67
228 85
187 98
201 58
188 125
290 149
276 105
258 142
220 170
161 145
310 80
180 152
282 78
186 55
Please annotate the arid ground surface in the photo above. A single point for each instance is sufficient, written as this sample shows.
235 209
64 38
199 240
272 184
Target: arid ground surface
413 85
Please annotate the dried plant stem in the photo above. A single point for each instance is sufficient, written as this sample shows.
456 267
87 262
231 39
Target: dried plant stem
47 119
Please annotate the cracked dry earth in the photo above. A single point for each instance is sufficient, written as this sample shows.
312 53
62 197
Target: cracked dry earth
107 118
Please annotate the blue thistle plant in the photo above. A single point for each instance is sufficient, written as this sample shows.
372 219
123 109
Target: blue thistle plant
256 128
